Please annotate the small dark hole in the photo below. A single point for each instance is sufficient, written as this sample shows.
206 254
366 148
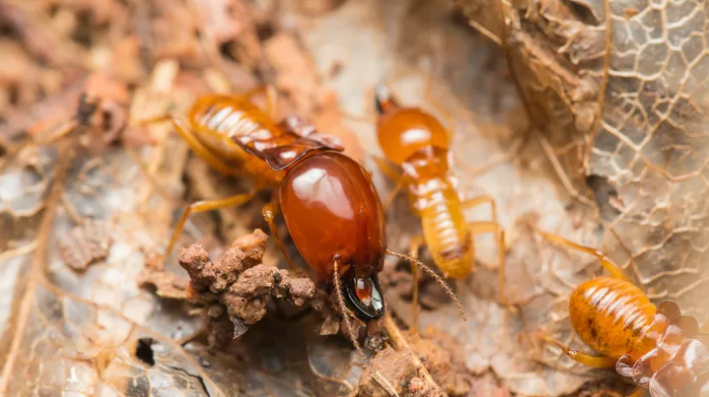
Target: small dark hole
582 12
107 120
82 34
53 9
265 31
144 351
227 50
14 95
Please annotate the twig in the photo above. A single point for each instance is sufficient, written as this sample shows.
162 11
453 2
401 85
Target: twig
558 169
191 336
402 346
385 384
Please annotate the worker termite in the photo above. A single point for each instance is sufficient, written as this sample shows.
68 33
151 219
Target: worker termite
211 123
418 143
330 206
658 348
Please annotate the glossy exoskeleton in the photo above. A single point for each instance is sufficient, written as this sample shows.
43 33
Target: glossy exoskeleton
658 348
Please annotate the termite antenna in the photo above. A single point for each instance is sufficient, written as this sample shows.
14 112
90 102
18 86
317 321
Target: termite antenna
434 276
343 308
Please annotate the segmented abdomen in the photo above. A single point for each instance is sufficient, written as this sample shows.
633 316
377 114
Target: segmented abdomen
610 315
218 118
444 227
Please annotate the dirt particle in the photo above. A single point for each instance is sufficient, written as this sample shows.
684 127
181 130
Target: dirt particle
388 372
443 358
167 285
236 288
86 244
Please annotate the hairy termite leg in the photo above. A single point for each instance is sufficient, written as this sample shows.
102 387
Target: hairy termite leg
582 358
607 264
271 95
436 277
202 151
414 246
269 212
499 232
202 206
341 303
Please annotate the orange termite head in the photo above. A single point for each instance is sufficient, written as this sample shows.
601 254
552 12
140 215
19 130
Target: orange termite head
364 293
402 131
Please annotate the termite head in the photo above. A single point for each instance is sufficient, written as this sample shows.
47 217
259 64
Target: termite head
364 294
402 131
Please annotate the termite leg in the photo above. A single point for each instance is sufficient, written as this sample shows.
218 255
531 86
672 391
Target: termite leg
392 195
188 135
583 358
202 206
271 98
202 151
498 230
414 246
479 200
387 169
639 392
392 174
607 264
269 212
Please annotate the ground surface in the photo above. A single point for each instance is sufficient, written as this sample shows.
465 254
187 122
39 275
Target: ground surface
80 220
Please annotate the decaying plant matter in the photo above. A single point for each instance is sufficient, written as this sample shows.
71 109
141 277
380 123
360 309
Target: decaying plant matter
616 140
618 92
